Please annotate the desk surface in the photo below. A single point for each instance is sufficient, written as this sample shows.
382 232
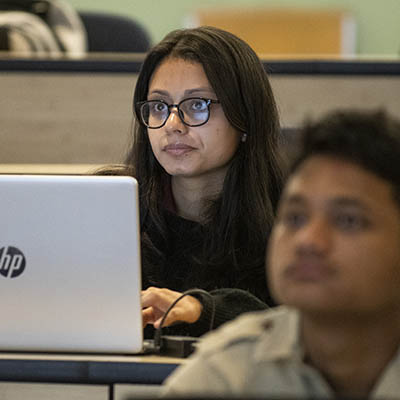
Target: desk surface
92 369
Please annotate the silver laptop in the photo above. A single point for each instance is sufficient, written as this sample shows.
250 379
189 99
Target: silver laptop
70 276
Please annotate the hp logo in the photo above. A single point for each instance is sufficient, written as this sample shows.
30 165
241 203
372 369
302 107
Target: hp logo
12 262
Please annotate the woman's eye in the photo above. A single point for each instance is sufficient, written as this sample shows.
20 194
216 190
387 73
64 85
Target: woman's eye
198 105
158 107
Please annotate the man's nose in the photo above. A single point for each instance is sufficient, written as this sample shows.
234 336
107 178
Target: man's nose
315 237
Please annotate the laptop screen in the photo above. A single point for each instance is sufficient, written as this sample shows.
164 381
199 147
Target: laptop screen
70 272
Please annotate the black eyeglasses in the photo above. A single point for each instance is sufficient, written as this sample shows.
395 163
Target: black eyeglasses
193 111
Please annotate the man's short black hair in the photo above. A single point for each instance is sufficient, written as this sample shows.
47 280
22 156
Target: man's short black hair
369 139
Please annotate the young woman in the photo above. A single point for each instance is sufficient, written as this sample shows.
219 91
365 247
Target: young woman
204 153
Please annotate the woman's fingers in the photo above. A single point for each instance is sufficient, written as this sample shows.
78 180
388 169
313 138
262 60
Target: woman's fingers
156 302
148 316
159 297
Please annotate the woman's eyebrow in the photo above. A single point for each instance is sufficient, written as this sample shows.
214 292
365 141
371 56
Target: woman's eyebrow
160 92
200 89
187 92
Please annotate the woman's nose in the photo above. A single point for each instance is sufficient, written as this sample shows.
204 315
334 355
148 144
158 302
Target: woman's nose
174 123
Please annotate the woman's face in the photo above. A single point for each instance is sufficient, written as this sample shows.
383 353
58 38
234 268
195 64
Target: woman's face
183 151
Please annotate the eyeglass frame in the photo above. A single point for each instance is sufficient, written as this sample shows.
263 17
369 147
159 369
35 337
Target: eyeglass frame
140 104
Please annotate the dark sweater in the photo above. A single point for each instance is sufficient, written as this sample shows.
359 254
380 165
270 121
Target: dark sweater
178 266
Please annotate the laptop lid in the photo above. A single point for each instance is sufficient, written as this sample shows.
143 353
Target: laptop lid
70 272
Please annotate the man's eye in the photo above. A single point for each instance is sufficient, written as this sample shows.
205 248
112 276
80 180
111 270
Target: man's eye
293 219
350 222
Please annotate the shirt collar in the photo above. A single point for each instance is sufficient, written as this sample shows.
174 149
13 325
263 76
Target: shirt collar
281 338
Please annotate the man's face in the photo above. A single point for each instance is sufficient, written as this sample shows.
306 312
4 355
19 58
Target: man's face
335 246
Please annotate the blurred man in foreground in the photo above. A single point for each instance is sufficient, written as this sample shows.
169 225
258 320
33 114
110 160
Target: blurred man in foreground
334 262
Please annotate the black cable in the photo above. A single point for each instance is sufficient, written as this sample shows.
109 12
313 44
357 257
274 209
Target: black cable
157 335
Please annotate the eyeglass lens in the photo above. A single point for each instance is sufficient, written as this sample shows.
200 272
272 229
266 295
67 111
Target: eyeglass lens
193 111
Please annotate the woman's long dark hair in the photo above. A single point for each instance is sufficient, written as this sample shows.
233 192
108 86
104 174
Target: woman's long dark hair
242 216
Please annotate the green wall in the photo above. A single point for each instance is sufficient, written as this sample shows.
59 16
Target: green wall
378 21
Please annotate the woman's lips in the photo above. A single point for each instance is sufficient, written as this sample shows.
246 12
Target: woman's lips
178 149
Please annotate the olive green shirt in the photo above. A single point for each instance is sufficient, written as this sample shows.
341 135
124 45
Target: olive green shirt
260 354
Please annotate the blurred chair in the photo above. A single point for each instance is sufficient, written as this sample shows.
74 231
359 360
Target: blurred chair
114 33
45 26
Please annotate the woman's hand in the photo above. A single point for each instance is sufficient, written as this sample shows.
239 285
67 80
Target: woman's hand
155 302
